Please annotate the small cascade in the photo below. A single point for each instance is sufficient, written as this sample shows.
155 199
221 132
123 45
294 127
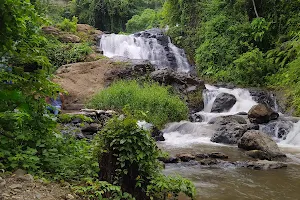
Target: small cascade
149 45
243 104
186 133
293 138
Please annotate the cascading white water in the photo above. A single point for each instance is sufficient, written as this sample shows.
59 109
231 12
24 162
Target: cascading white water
133 47
293 138
187 133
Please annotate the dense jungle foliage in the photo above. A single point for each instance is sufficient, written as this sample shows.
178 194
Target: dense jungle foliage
30 137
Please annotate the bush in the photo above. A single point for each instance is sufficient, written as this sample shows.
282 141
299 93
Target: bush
68 25
128 157
60 53
161 106
146 20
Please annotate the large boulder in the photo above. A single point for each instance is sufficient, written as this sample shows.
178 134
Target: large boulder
69 38
223 120
256 140
223 102
263 97
171 77
51 30
262 113
261 165
131 70
229 133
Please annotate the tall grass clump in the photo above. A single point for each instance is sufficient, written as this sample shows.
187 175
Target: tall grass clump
156 101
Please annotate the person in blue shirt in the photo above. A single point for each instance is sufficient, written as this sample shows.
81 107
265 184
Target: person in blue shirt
57 104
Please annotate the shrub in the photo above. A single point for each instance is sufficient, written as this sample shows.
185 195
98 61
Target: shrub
68 25
128 157
160 105
60 53
148 19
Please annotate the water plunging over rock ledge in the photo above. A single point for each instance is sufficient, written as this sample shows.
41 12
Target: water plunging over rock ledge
150 45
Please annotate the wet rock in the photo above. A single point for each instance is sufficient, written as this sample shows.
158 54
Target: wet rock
69 38
263 97
223 120
241 113
217 155
131 70
157 134
278 129
169 160
258 154
92 128
223 102
229 133
253 126
196 117
209 162
256 140
263 165
261 113
185 157
170 77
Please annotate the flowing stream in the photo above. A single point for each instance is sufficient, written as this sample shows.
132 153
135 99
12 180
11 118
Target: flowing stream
225 182
229 182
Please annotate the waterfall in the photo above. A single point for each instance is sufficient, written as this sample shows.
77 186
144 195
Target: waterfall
158 49
293 138
186 133
243 104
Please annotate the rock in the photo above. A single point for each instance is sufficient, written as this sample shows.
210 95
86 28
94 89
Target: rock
261 113
229 133
15 186
253 126
217 155
263 97
209 162
264 165
26 177
196 117
131 70
170 77
194 98
185 157
92 128
241 113
69 38
51 30
256 140
169 160
69 197
258 154
157 134
278 129
223 120
85 28
223 102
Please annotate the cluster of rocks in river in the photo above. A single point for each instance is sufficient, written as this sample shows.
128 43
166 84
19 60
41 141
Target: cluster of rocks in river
81 127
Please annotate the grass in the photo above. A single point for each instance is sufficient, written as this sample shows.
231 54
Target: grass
157 104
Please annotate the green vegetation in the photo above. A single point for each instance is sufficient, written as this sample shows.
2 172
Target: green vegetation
30 138
251 43
68 25
65 53
148 19
156 101
110 15
128 156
